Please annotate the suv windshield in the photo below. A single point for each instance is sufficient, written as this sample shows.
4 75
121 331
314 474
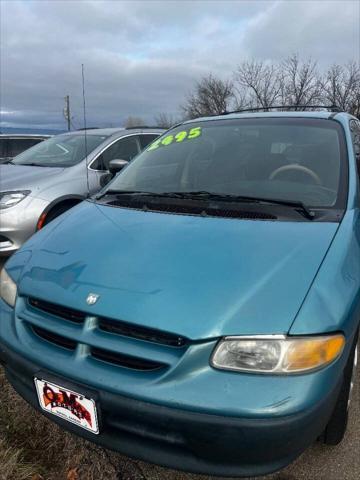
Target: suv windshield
292 159
59 151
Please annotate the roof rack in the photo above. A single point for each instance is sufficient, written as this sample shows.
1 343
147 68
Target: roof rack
87 128
331 108
141 127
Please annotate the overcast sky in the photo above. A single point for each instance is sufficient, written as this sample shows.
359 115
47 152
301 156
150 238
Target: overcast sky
143 57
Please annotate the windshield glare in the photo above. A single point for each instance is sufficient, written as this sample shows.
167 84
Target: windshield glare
288 159
59 151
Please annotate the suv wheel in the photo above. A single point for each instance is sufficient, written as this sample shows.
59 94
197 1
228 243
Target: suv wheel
336 428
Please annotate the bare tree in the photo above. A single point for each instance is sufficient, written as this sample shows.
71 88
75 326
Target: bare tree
300 82
294 82
210 96
341 87
133 121
259 83
355 108
242 99
165 120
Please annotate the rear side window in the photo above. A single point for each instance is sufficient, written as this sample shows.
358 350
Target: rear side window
146 139
19 145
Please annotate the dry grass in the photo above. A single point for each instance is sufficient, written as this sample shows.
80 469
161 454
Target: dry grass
13 465
32 447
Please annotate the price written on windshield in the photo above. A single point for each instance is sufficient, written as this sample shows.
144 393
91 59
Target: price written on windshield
176 138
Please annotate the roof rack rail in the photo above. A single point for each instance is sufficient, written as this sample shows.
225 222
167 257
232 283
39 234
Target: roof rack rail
331 108
87 128
141 127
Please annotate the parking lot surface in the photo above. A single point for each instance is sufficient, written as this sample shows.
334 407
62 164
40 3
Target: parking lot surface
318 462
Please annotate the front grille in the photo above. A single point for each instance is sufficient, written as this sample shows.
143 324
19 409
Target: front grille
59 311
119 359
126 361
141 333
111 326
107 340
54 338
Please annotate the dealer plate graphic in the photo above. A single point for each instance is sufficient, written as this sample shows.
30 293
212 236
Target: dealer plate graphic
68 405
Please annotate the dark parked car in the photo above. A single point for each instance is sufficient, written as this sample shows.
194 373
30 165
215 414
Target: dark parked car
14 144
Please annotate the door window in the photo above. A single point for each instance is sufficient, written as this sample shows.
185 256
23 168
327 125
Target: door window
147 138
124 149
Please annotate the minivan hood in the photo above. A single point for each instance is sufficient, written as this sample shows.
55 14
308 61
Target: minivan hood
199 277
24 177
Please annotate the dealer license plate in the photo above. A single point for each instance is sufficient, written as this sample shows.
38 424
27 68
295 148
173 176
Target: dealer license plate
68 405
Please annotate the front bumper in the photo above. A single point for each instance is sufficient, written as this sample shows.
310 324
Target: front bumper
18 223
182 439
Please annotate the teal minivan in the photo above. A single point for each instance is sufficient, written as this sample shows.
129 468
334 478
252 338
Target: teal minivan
202 311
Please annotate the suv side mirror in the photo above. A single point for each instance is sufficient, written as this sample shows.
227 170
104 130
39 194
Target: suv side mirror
116 165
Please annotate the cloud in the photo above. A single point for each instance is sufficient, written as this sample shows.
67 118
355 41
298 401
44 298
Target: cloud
142 57
329 31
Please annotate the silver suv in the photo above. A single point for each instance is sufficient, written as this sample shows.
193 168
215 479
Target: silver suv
51 177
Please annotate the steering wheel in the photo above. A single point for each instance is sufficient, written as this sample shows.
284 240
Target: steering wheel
298 168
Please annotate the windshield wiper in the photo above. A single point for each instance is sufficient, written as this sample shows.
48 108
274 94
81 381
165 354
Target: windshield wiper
217 196
139 192
247 199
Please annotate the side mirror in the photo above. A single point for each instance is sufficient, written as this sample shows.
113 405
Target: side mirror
116 165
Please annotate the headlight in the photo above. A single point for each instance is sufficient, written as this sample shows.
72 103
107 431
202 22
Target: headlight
9 199
8 288
277 354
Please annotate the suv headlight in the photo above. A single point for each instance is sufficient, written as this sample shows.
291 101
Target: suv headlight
277 354
8 288
9 199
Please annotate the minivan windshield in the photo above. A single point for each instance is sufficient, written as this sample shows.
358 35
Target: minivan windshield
291 159
60 151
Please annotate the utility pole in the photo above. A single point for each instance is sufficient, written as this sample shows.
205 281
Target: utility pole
67 112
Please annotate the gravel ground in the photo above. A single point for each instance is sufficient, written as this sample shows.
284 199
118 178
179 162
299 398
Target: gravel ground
318 462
